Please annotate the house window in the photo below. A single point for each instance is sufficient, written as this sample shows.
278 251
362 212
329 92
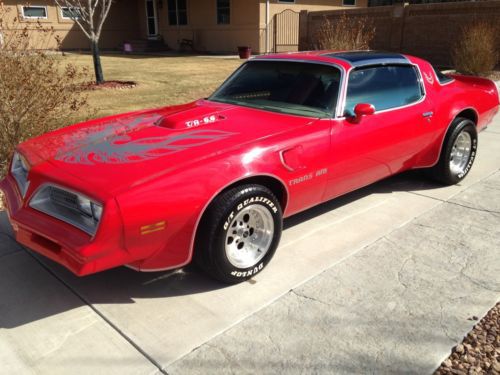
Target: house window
223 12
70 13
286 1
33 11
349 3
177 12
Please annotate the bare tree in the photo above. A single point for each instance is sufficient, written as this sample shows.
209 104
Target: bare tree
90 16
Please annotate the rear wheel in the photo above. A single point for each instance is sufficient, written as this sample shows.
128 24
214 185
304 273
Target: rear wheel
239 233
458 152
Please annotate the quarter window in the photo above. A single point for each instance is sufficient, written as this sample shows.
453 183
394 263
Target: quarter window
442 78
33 11
177 12
383 86
223 12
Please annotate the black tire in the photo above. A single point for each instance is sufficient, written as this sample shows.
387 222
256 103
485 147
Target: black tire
213 232
442 172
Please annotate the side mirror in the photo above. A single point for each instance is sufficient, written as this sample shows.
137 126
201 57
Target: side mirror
363 109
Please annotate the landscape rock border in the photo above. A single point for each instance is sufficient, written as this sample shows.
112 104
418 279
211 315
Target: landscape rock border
479 352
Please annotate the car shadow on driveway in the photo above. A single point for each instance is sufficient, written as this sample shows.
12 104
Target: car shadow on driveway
33 287
403 182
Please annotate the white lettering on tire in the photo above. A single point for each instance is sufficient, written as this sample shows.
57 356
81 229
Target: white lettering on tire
257 199
228 220
249 272
471 160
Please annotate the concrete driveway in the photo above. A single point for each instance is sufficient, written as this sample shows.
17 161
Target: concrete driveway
381 280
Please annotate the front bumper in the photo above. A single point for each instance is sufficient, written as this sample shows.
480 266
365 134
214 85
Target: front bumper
61 242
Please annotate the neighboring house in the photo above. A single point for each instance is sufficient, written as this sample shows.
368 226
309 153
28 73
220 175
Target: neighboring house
207 25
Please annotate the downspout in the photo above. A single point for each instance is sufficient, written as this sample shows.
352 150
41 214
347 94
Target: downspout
267 26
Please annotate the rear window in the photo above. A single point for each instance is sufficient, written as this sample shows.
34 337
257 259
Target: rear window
442 78
383 86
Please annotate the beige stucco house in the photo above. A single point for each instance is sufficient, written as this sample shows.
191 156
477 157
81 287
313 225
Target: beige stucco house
204 25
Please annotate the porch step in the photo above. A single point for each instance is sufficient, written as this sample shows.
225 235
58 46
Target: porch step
145 45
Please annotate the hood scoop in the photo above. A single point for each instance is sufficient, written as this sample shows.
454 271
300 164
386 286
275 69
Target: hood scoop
190 118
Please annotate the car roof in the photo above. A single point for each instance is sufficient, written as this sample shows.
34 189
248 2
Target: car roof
344 58
360 58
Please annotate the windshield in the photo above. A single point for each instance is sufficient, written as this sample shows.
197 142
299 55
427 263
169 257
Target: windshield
297 88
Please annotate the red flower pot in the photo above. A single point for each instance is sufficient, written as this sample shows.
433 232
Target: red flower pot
244 52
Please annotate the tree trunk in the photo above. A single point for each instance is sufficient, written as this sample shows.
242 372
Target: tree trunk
99 77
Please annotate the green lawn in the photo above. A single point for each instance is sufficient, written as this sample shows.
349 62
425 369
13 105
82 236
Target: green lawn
160 80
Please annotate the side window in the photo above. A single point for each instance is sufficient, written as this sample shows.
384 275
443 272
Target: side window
383 86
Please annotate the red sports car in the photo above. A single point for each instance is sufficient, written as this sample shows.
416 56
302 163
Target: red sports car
213 179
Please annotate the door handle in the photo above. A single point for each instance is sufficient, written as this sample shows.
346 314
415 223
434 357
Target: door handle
428 114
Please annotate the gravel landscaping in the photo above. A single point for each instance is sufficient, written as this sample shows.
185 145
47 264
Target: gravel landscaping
479 352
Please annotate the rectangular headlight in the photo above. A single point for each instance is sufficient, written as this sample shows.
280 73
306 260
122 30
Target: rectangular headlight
69 206
20 169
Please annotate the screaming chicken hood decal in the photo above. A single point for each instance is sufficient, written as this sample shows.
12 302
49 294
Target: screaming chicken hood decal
112 143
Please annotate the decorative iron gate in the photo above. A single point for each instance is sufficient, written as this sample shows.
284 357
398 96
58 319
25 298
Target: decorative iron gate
286 31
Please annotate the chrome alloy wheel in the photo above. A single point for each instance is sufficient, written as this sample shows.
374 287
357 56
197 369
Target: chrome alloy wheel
249 236
460 153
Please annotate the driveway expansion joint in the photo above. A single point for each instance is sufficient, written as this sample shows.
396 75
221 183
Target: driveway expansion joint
100 314
458 204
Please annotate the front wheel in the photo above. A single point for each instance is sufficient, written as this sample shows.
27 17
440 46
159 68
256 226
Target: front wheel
239 233
458 152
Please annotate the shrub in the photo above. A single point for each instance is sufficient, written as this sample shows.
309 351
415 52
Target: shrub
38 92
344 33
476 51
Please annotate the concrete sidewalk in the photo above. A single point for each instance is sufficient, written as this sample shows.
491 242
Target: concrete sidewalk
381 280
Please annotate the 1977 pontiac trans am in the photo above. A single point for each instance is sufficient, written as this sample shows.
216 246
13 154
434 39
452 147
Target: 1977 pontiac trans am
212 180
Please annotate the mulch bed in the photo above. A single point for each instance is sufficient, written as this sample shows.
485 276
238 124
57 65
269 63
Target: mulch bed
109 85
479 352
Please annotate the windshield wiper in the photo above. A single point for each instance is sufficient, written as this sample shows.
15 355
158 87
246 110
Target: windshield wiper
298 110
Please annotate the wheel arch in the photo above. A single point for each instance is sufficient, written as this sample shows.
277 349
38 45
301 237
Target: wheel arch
468 113
273 183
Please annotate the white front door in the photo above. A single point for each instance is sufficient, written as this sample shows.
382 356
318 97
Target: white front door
151 20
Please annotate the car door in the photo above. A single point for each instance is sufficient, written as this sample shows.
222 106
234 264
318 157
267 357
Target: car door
368 148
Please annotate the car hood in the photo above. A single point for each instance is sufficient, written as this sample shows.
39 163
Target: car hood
122 151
